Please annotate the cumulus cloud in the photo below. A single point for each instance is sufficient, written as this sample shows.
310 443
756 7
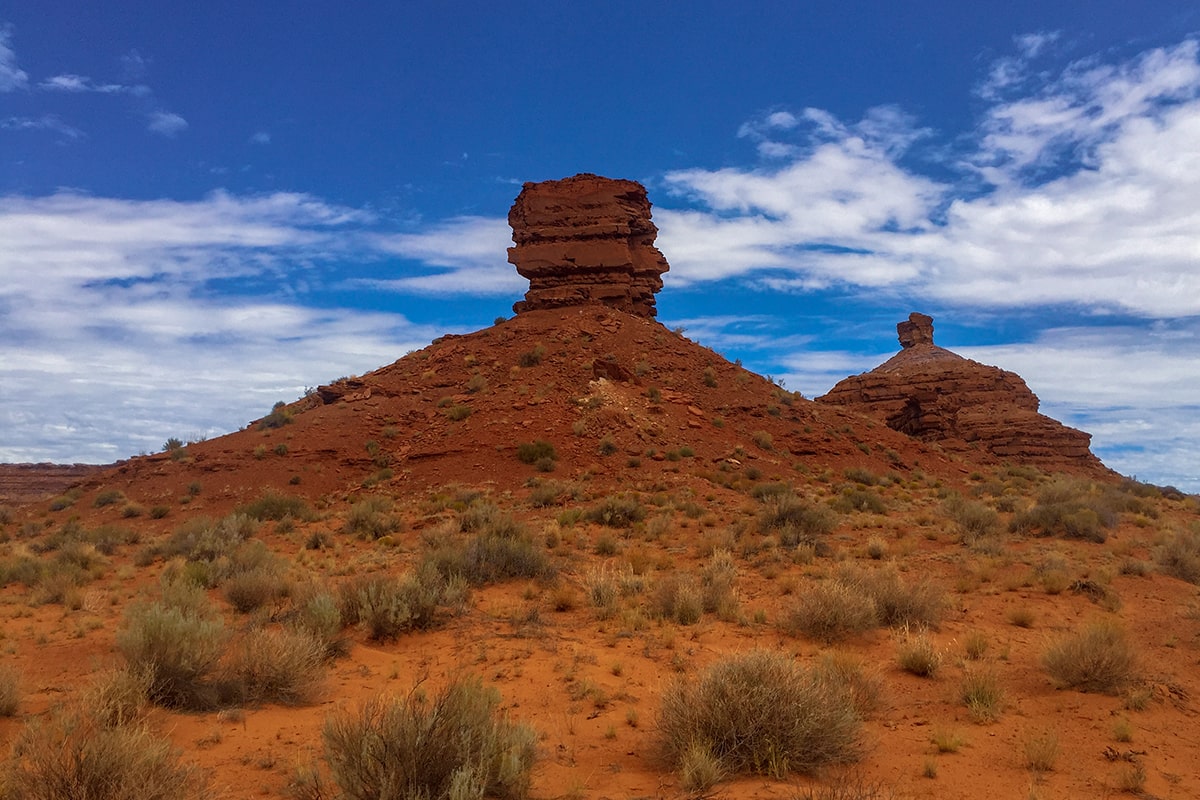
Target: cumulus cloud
12 77
1081 192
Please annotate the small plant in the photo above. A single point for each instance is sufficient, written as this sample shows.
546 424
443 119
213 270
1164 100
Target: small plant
764 440
947 741
108 497
279 416
71 755
758 713
172 444
372 518
1041 751
919 656
387 606
533 452
829 611
975 644
793 520
1131 779
275 506
1021 616
617 511
1179 557
532 357
453 745
274 666
457 413
710 377
1099 658
10 691
178 647
980 692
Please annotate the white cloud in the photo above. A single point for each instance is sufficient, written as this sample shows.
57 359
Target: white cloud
12 77
471 251
46 122
1115 226
116 337
166 123
78 83
260 137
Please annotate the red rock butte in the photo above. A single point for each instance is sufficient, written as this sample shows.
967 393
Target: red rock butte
935 395
586 239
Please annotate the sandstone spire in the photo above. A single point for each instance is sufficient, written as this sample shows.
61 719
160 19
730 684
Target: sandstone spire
586 239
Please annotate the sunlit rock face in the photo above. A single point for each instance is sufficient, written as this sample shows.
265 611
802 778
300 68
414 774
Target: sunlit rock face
933 394
586 239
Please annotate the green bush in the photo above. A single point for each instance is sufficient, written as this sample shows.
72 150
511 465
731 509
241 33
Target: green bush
759 713
72 757
1098 658
279 416
274 506
455 745
178 647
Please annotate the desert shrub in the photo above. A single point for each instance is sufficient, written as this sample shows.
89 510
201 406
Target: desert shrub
320 617
975 520
117 696
387 606
273 505
861 476
279 416
718 581
108 497
453 745
679 598
617 511
202 539
1073 509
918 655
274 666
829 611
178 647
793 520
856 499
898 603
1040 751
980 692
10 691
533 452
763 439
458 412
1098 658
23 569
254 588
845 673
759 713
602 588
1179 555
73 757
531 358
372 518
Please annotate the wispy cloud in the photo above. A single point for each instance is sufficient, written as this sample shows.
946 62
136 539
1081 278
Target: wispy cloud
79 83
260 137
166 123
12 77
47 122
126 322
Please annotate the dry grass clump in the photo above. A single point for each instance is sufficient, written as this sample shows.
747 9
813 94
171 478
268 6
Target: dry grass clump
10 691
1041 751
1179 555
617 511
254 588
455 745
386 606
976 522
919 656
372 519
274 666
319 616
795 521
845 673
830 611
275 506
678 597
759 713
898 603
71 755
1099 658
980 692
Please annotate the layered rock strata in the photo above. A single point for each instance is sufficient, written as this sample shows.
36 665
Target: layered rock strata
933 394
586 239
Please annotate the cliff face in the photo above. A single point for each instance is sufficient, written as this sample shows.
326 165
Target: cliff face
586 239
935 395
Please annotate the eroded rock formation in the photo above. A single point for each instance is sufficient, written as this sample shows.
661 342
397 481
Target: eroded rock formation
586 239
933 394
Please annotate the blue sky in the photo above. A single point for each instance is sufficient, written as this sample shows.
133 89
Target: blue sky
207 209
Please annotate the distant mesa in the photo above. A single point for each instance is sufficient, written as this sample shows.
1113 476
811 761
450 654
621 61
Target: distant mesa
935 395
586 239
